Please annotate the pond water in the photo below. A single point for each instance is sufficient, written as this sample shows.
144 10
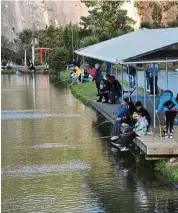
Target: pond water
54 161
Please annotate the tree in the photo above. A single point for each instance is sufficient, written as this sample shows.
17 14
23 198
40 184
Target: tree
6 49
146 24
156 13
159 13
58 58
105 18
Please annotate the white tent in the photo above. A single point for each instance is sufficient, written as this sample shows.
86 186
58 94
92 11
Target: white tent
131 45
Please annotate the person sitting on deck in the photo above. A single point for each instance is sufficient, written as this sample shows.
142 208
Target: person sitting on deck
76 75
121 113
139 107
125 139
169 105
116 91
105 88
85 77
131 109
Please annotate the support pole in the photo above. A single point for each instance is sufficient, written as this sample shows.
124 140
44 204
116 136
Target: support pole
41 56
111 69
144 87
116 70
136 84
128 79
166 74
33 37
72 44
25 58
122 82
154 101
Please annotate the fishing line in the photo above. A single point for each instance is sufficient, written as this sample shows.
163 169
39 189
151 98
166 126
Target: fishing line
101 137
100 124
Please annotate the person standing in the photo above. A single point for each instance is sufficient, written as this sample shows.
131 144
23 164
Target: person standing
169 105
109 67
153 70
97 77
131 71
147 79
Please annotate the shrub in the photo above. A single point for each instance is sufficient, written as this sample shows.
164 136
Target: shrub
146 24
58 57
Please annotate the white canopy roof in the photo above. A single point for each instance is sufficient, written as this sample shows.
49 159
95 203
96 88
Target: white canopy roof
131 45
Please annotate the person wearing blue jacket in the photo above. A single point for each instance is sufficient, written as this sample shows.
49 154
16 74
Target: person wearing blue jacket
121 113
169 105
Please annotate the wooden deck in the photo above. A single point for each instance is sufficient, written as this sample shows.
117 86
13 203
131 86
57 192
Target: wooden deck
154 147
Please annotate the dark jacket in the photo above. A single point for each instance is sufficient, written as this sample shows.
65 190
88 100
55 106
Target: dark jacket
131 70
105 85
128 118
98 75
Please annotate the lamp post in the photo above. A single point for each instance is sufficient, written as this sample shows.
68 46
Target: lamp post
72 43
33 37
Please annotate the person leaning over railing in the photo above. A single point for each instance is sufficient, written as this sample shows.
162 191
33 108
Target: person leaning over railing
169 105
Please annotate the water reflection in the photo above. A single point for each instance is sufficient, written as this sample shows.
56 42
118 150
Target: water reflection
54 164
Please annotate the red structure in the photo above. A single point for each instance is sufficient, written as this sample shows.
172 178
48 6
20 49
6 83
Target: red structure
41 49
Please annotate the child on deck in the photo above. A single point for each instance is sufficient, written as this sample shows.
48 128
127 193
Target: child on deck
130 134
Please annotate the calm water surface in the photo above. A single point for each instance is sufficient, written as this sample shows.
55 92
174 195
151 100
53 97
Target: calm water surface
53 160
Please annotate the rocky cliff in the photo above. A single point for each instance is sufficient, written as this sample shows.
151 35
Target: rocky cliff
18 15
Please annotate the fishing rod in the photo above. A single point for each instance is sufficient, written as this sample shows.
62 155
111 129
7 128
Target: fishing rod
100 124
101 137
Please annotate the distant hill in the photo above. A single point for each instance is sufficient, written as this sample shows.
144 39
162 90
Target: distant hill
17 15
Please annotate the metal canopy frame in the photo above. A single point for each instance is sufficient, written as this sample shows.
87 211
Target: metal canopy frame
166 61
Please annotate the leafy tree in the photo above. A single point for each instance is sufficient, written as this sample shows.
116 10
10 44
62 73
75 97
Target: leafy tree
160 13
105 18
25 36
6 49
146 24
156 13
58 58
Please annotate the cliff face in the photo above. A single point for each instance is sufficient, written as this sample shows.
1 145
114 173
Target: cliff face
18 15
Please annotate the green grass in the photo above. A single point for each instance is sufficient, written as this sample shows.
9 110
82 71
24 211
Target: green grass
65 76
86 92
171 172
